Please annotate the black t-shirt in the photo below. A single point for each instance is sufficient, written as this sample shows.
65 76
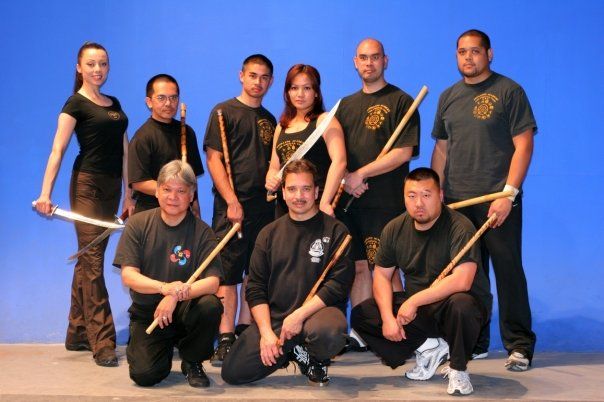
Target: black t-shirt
368 121
423 255
100 132
165 253
479 122
288 143
249 133
290 256
154 144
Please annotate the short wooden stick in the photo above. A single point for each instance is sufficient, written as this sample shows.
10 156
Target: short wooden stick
480 200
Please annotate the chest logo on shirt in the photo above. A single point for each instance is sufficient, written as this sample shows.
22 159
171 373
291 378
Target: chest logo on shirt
287 148
266 130
316 251
113 115
371 246
179 255
484 105
376 116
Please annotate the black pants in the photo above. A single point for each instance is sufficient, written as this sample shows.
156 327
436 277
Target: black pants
458 319
235 256
503 246
323 334
192 331
90 320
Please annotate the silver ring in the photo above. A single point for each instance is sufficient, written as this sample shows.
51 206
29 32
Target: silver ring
164 318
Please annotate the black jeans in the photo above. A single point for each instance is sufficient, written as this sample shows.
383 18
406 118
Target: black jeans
458 319
503 246
193 330
90 320
323 334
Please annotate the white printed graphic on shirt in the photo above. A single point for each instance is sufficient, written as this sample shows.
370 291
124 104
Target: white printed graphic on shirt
316 251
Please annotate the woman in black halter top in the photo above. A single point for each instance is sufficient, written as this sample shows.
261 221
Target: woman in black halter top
303 111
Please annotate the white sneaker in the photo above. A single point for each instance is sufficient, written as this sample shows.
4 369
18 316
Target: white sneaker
478 356
428 360
459 381
517 361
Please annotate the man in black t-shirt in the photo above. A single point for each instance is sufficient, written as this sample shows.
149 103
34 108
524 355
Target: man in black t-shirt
484 128
422 242
289 257
369 117
158 141
158 252
249 130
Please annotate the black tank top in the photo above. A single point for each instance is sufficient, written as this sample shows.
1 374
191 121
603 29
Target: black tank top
318 154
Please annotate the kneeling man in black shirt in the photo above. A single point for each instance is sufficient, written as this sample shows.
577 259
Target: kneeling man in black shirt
288 258
157 253
422 242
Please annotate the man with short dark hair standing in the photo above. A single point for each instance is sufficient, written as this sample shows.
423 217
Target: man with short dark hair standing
158 141
249 130
484 129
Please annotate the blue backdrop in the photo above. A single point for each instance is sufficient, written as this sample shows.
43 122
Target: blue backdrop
552 48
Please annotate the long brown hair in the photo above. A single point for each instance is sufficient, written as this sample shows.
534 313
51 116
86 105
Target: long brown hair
289 112
78 77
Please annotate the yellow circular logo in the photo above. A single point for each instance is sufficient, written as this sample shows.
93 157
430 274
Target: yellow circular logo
376 116
484 105
114 115
266 130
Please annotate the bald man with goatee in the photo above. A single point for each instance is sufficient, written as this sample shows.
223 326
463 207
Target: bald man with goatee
369 117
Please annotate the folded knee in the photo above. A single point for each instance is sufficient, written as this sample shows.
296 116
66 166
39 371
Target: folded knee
148 378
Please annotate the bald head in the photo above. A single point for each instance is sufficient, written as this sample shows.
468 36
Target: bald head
370 62
371 43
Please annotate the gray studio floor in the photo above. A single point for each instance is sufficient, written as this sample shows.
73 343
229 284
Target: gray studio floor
50 373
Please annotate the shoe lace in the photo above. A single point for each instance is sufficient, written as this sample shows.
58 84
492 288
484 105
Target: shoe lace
317 370
195 370
458 377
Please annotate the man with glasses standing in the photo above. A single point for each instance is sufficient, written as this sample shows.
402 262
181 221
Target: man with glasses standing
369 117
157 142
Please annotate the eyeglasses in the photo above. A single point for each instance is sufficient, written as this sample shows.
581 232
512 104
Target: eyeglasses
164 98
373 57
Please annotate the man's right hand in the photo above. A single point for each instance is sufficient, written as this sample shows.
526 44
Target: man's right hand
392 330
235 212
270 349
272 183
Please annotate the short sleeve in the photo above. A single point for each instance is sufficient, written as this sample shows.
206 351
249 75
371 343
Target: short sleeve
212 135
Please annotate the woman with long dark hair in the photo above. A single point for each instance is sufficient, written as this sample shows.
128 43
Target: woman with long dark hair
95 190
304 109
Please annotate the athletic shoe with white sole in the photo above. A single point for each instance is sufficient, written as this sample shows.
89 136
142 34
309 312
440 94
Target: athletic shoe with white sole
517 361
480 355
428 359
459 381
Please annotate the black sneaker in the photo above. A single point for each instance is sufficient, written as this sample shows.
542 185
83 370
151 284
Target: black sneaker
225 341
316 371
106 358
195 374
